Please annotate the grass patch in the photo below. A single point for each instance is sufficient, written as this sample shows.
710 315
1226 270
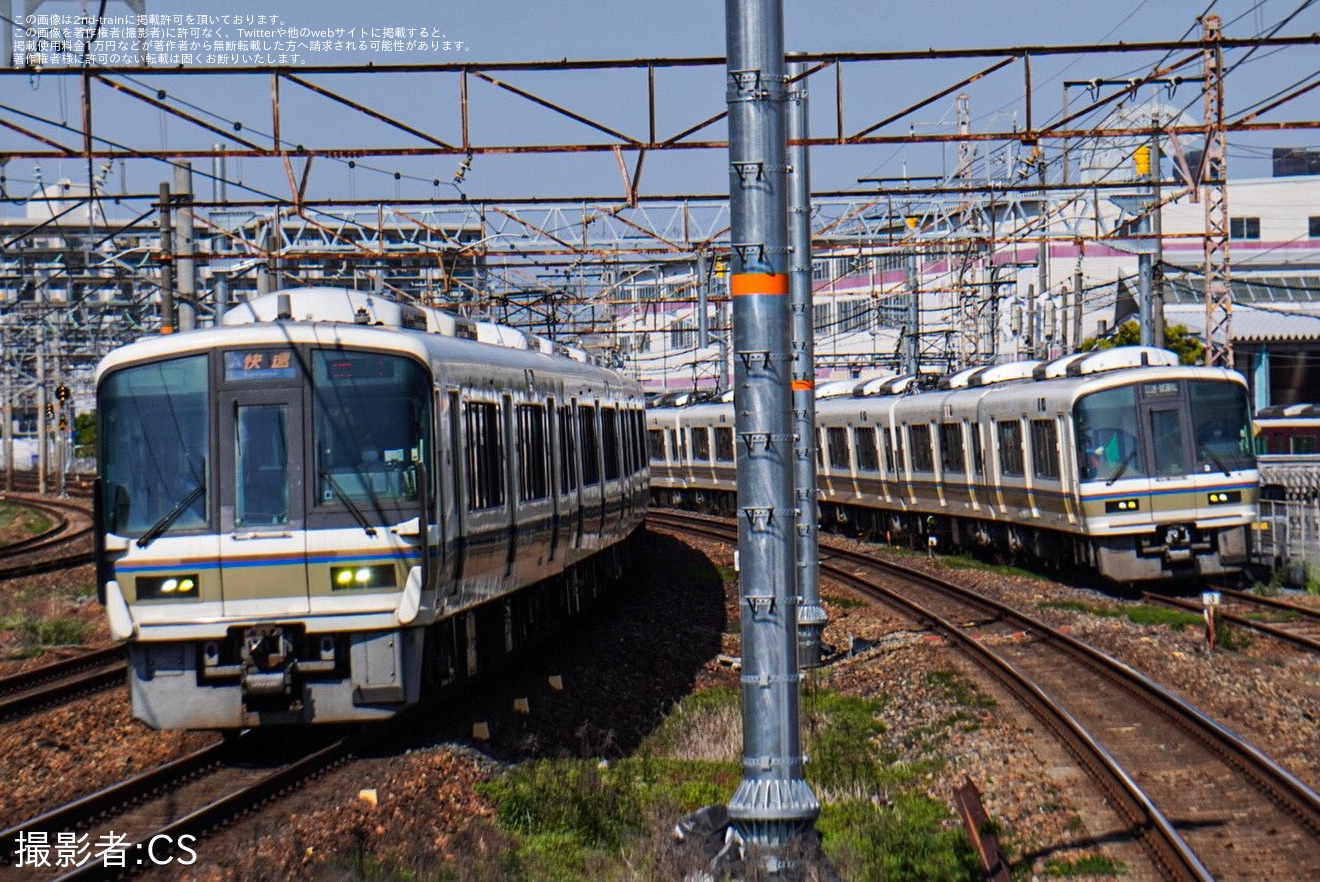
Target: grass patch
1139 614
1086 865
843 602
963 561
38 633
19 522
583 818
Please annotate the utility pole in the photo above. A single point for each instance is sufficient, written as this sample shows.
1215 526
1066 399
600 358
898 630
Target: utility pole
811 615
1214 181
166 263
186 245
773 807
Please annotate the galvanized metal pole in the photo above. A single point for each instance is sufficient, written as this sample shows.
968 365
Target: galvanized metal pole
811 615
773 806
912 333
185 274
1145 265
166 263
1157 229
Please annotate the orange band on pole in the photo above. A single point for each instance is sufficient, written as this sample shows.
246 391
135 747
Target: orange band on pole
758 283
803 385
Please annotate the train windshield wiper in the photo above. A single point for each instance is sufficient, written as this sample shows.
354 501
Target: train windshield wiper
1122 467
348 503
1210 455
170 516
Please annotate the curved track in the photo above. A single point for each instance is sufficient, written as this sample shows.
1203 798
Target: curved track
149 816
1203 802
1290 622
67 543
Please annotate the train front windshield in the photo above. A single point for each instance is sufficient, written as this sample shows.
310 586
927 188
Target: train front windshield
154 430
1163 429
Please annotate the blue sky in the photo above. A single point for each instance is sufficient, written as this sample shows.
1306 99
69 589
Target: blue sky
520 30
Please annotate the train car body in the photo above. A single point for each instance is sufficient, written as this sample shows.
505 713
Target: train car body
1288 430
319 519
1123 462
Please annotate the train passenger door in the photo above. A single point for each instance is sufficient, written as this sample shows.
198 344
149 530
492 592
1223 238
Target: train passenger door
263 550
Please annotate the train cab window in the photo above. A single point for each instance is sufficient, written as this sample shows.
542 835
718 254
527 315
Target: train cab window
700 444
154 434
533 453
590 446
1107 430
952 457
655 439
1044 449
1221 426
723 444
1009 434
837 439
484 455
923 458
868 457
371 418
568 473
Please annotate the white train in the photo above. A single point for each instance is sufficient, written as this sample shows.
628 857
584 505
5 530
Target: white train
335 502
1121 461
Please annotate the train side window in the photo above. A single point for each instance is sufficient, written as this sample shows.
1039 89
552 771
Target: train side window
978 455
723 444
923 458
820 452
609 425
568 473
639 421
952 457
485 455
1009 434
1044 449
587 436
889 450
701 443
868 457
533 453
837 438
655 439
898 449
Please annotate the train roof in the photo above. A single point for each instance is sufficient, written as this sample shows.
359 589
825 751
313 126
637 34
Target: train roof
337 317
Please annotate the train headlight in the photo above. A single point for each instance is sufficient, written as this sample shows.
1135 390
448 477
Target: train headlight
167 587
1225 497
362 576
1117 506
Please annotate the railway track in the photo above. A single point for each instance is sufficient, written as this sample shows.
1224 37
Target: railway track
1290 622
156 818
56 682
68 542
1201 801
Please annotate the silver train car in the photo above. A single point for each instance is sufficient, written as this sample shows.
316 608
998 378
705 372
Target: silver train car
334 503
1122 461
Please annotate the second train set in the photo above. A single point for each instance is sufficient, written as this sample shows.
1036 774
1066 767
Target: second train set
1124 462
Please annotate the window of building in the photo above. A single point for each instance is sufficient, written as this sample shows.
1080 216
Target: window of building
923 458
1044 449
1244 228
1010 447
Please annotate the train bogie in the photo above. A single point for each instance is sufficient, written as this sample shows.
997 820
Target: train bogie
316 521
